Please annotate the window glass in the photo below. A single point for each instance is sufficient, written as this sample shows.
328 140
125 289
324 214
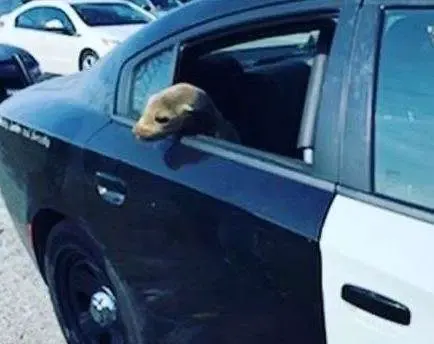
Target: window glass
102 14
404 109
150 77
37 18
7 6
30 19
299 41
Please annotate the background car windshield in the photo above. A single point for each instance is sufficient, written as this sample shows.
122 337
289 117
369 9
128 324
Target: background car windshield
7 6
99 14
165 4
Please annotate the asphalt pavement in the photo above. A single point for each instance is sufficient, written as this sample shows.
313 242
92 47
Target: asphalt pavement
26 314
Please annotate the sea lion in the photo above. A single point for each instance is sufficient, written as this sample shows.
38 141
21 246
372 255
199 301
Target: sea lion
182 107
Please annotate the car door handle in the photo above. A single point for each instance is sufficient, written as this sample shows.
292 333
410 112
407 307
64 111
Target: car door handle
376 304
110 188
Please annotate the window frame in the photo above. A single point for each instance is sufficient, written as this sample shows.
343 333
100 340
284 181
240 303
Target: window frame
127 78
357 178
330 111
43 8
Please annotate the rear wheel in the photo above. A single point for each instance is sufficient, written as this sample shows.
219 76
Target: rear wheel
91 303
88 59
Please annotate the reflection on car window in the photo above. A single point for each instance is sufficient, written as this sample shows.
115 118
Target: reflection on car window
151 76
299 40
404 117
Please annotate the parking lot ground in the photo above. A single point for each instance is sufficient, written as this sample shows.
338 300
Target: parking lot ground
26 314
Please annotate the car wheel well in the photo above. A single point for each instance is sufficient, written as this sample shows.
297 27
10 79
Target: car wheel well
84 51
42 224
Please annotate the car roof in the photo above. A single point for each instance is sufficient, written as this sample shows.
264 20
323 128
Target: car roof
94 1
199 12
54 2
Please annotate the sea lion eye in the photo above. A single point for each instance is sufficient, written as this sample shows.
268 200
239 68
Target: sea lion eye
162 120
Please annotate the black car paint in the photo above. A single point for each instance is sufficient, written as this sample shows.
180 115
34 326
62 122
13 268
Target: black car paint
198 234
11 76
213 250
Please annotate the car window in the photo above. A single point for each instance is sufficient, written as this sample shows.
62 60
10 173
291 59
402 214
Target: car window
258 81
150 76
404 108
165 4
37 17
6 6
102 14
301 41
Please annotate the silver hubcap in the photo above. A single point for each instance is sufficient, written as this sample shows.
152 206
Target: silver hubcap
89 61
103 307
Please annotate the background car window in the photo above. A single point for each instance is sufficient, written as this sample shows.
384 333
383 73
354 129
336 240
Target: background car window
36 18
404 109
150 76
7 6
98 14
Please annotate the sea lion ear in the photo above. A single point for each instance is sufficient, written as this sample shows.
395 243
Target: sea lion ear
186 108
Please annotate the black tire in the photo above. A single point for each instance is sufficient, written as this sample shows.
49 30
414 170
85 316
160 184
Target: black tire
87 55
72 256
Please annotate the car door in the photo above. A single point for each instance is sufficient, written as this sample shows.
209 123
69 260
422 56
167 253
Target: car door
378 236
218 244
61 47
27 33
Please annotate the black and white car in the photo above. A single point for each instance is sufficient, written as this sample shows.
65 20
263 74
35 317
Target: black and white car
317 228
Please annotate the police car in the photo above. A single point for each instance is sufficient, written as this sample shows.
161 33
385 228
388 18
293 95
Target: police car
318 227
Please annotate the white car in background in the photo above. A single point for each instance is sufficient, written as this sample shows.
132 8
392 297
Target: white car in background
159 7
67 36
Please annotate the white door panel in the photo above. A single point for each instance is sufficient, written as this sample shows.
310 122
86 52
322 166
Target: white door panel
384 252
30 40
64 51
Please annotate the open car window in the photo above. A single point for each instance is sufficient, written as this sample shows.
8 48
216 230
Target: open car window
265 82
259 81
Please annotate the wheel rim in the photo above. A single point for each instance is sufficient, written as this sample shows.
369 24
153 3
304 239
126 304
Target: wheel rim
87 302
89 61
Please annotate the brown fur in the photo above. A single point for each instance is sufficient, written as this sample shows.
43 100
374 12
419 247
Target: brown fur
170 110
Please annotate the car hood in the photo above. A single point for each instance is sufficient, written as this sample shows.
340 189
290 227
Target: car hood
118 32
69 82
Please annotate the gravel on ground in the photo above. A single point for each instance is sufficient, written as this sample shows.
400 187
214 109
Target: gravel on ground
26 313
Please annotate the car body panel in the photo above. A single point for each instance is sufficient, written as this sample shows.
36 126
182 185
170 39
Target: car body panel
372 244
208 245
41 136
382 252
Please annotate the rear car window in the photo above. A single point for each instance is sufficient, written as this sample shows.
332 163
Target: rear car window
149 77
